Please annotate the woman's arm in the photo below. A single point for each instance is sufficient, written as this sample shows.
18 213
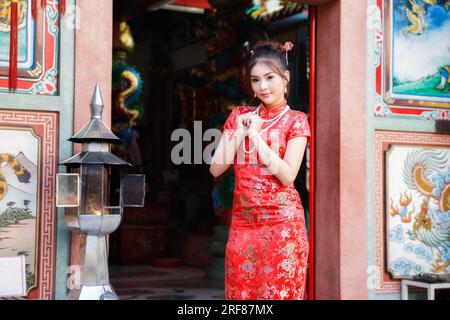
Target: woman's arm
226 150
285 169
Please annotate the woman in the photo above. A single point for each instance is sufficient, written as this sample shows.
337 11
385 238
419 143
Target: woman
267 248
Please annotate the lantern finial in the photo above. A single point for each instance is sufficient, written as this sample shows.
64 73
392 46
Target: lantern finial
96 130
97 103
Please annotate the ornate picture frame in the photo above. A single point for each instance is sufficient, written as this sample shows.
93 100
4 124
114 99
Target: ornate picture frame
38 52
404 161
29 168
401 88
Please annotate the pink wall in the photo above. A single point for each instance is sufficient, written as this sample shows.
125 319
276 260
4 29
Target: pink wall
93 58
341 215
328 145
93 64
354 224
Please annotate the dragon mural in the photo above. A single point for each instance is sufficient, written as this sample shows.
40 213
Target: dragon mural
416 12
426 172
23 175
127 87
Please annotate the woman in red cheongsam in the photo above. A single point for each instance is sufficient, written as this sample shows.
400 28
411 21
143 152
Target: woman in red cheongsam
267 249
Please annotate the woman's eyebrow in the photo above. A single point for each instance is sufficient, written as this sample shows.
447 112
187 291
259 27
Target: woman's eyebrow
252 76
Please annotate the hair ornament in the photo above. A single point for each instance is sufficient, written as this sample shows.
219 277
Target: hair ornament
288 47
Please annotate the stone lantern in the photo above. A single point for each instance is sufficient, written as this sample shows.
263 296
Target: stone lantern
93 205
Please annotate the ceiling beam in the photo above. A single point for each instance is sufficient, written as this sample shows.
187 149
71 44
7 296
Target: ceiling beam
142 9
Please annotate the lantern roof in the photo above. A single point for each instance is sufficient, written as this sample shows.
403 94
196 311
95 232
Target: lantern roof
95 157
96 130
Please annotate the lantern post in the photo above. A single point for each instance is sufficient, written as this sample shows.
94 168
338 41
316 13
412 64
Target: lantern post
93 205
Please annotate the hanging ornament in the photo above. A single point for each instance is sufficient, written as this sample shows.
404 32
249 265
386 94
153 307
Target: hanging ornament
14 35
13 48
62 7
34 9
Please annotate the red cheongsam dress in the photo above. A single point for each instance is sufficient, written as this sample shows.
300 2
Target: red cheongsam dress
267 249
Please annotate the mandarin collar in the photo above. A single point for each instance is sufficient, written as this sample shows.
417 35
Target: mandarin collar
264 112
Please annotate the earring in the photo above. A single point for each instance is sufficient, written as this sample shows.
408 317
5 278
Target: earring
254 94
285 89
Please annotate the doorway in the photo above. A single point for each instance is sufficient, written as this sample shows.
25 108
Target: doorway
187 64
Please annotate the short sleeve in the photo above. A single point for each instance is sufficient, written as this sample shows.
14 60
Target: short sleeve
299 127
231 120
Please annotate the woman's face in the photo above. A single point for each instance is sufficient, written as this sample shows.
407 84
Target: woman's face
267 84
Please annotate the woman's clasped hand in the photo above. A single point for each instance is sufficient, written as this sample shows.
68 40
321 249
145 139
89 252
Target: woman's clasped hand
249 123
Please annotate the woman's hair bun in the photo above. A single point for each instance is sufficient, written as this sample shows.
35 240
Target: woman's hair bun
269 45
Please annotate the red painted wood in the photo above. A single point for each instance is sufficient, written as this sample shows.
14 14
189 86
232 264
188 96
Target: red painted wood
312 159
193 3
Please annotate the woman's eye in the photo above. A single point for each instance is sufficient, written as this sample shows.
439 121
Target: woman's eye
269 77
255 80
